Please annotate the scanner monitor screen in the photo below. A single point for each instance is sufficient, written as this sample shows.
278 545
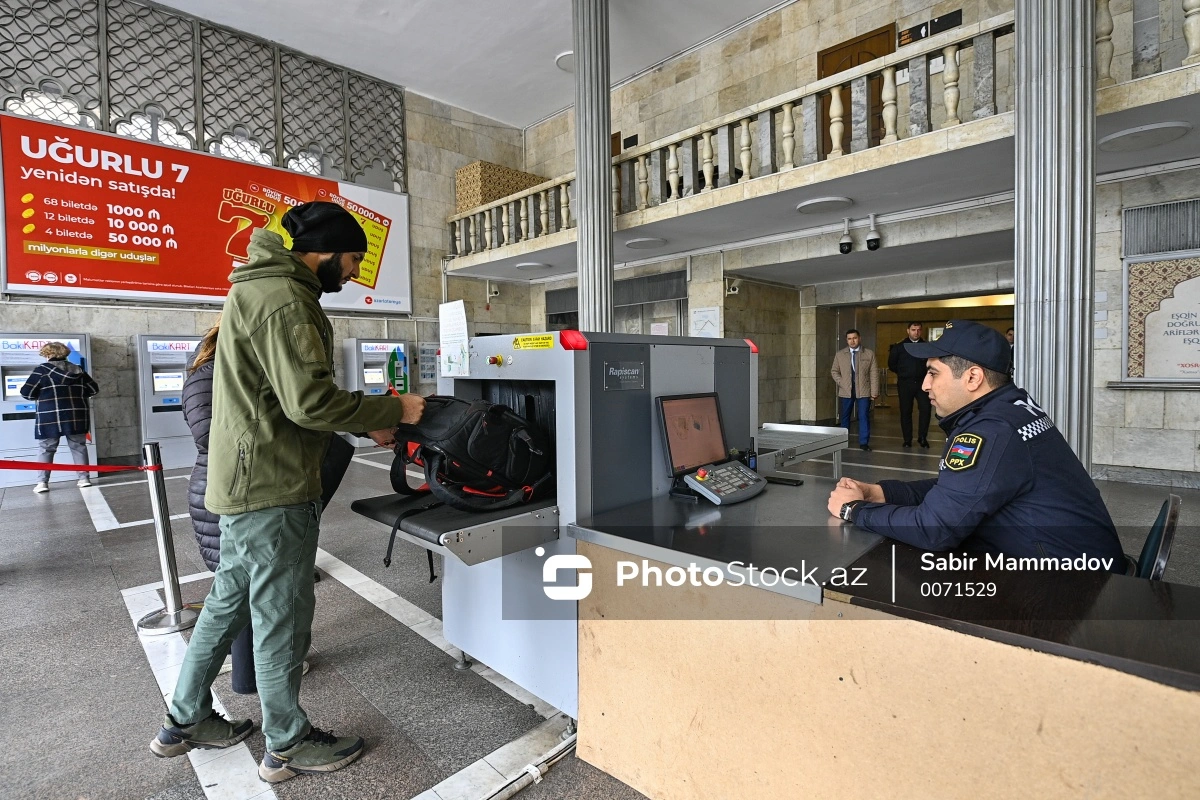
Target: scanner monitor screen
12 386
372 376
692 431
166 382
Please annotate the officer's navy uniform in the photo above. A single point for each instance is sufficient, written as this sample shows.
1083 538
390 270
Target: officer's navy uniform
1007 483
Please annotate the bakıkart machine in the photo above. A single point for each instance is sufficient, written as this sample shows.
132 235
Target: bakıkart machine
18 358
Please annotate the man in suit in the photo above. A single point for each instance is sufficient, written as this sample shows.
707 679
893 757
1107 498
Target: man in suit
857 382
910 374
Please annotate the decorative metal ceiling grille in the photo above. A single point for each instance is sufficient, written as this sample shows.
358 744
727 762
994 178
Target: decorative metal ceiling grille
153 74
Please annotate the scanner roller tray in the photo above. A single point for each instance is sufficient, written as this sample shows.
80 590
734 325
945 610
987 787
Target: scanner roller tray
473 536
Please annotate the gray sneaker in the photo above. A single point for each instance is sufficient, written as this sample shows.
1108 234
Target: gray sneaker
318 751
212 733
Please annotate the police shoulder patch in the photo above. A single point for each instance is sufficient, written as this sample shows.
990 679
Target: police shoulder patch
963 451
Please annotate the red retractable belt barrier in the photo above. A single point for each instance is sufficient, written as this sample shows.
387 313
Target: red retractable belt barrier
43 465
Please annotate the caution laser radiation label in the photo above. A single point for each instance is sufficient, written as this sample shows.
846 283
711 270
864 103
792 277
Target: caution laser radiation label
544 341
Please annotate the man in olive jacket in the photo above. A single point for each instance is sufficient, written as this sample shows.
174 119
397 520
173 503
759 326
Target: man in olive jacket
274 404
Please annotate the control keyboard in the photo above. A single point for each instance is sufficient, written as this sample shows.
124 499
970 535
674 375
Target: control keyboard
731 482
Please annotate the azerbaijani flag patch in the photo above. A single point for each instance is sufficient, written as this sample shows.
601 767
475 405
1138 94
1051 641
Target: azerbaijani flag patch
964 451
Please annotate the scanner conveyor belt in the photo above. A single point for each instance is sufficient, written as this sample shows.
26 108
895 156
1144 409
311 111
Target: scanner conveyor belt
473 536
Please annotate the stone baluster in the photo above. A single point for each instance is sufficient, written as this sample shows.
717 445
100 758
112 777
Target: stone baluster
454 238
673 170
564 221
616 189
524 203
468 242
984 72
505 235
744 150
950 83
544 199
643 183
488 234
707 156
1104 45
477 232
836 126
1191 31
889 106
788 126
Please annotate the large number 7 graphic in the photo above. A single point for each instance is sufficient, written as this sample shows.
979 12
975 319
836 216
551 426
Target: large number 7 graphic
247 220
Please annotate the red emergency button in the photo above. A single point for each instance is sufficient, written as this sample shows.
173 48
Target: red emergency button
701 474
497 360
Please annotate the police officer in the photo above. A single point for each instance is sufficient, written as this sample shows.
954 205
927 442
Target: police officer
1007 482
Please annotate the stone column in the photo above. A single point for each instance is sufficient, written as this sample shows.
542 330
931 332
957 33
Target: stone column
1055 214
593 164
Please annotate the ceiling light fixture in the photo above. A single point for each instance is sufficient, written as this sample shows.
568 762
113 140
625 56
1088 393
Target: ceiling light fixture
566 61
821 205
530 265
1143 137
645 243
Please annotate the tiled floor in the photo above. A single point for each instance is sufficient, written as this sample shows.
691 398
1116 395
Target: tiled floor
80 702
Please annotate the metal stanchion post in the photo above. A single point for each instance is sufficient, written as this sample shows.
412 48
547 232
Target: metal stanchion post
176 616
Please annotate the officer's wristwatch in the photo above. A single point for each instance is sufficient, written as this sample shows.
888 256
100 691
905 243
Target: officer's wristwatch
848 509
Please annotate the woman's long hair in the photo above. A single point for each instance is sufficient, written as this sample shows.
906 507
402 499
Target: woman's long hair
206 350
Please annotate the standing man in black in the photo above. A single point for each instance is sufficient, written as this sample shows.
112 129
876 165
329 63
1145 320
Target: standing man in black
910 373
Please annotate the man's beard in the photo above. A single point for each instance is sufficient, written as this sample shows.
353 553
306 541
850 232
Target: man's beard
329 273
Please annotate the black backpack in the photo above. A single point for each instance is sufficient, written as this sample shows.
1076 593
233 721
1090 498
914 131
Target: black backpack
477 456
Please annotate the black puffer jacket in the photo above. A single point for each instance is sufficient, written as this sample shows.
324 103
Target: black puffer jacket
197 410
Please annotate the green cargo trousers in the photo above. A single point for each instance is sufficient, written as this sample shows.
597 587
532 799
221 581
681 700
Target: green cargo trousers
266 575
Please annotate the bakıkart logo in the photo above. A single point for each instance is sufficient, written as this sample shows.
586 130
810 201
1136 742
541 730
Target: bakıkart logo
368 300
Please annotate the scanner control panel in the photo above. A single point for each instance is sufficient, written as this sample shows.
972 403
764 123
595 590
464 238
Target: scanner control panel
731 482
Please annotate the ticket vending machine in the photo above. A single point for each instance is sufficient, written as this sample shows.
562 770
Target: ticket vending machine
375 366
18 357
162 366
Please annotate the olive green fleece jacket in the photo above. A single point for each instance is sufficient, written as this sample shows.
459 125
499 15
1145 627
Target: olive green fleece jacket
274 399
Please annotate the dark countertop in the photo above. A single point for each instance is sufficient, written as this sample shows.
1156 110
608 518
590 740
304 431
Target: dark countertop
765 531
1146 628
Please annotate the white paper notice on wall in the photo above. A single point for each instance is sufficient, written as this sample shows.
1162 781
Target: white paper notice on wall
453 340
705 323
660 329
427 358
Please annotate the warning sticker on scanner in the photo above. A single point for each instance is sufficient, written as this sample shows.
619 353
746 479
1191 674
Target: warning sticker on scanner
544 341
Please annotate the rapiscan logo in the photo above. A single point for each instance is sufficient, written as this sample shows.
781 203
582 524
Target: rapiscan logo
561 562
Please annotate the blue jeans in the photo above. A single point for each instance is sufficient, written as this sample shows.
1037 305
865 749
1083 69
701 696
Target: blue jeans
864 416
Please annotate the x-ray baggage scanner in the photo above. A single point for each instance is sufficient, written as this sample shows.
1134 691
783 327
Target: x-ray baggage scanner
161 370
18 358
594 393
375 367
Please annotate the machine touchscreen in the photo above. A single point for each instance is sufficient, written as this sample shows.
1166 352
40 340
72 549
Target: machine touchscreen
696 450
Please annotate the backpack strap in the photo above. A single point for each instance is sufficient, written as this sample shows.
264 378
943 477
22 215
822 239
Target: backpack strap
399 471
465 501
387 559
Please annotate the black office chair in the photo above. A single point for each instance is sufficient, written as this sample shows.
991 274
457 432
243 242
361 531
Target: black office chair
1153 561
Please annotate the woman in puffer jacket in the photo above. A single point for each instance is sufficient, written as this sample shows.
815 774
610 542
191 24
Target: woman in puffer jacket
197 410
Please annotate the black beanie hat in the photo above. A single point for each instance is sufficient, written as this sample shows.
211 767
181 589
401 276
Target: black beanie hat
320 227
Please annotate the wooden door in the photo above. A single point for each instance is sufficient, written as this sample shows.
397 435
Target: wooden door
846 56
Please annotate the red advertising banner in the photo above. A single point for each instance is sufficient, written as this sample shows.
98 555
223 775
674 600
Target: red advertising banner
93 214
